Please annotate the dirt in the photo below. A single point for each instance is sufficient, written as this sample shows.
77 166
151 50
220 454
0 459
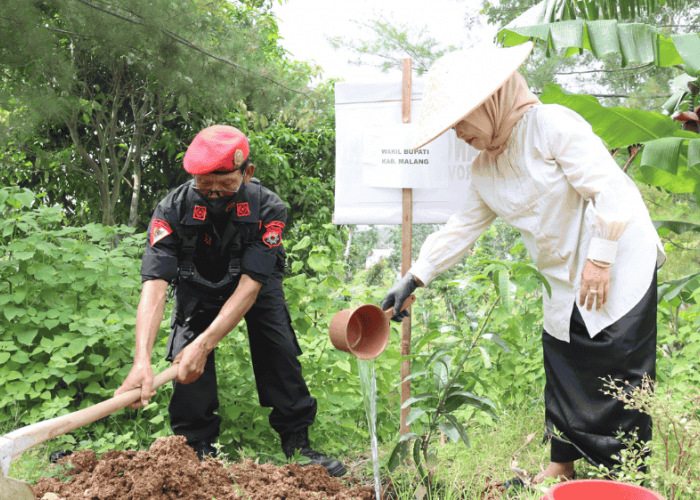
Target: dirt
170 470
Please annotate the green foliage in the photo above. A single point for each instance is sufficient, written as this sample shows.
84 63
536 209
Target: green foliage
68 308
675 414
549 11
635 43
96 93
391 44
446 371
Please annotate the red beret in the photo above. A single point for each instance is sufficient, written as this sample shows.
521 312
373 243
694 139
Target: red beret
219 147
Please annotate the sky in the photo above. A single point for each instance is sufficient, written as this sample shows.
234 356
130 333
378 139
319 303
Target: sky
304 25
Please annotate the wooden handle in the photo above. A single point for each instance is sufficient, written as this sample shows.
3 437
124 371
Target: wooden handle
31 435
406 304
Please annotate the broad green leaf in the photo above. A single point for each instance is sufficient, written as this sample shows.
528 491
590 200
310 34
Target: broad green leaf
670 290
635 43
50 323
4 356
552 11
457 399
93 388
688 46
415 399
431 336
24 197
305 242
497 340
408 436
450 431
319 262
503 284
602 38
460 429
414 415
12 312
663 227
27 337
412 376
664 163
617 126
333 282
20 357
417 458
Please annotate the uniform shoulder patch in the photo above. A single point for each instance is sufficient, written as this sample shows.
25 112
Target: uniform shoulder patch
199 213
160 229
273 235
242 209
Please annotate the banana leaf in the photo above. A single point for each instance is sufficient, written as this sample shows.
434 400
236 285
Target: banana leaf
550 11
670 158
635 43
618 127
663 227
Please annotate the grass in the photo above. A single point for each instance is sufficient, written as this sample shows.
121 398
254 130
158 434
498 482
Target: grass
463 472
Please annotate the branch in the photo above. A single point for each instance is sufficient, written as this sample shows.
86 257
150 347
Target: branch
192 46
644 66
623 96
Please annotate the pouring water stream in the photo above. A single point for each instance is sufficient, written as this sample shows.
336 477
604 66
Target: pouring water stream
368 382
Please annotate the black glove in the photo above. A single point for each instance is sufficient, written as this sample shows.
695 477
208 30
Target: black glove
397 294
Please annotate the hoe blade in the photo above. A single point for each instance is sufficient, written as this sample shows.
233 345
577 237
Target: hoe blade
12 489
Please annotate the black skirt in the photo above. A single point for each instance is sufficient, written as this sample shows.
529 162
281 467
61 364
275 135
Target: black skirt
586 419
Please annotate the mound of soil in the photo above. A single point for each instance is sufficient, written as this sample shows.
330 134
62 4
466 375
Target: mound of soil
170 470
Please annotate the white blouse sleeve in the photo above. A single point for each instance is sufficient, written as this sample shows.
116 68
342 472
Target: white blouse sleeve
590 169
446 247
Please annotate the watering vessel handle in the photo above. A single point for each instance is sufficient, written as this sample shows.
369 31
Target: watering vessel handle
406 304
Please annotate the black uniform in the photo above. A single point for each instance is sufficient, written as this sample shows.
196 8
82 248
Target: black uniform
203 254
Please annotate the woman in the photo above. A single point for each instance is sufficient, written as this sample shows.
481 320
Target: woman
544 171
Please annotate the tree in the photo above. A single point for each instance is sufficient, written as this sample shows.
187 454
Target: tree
392 43
114 76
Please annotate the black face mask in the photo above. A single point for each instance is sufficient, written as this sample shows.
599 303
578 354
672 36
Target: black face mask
222 205
218 205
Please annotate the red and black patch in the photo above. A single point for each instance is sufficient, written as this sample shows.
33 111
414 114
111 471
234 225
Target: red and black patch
242 209
199 213
273 236
207 239
159 230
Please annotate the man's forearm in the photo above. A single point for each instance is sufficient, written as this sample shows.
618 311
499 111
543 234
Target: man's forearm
148 318
231 313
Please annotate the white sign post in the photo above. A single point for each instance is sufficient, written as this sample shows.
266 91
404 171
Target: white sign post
372 165
380 180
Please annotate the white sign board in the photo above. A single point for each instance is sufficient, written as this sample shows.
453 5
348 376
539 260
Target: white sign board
374 159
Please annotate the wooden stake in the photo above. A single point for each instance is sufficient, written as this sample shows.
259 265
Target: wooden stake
406 240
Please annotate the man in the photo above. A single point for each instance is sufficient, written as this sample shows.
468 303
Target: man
218 240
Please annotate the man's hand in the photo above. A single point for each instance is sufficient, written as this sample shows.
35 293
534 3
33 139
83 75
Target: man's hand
397 294
192 360
140 376
594 279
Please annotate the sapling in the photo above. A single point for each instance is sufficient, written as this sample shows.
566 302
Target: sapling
677 465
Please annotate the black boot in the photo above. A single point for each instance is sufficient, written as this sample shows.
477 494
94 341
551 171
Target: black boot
300 441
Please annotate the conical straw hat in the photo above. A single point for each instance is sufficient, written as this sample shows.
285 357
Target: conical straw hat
460 81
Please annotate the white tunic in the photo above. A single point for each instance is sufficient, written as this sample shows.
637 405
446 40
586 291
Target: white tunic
558 185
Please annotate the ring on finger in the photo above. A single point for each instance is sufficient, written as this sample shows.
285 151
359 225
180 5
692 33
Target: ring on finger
593 292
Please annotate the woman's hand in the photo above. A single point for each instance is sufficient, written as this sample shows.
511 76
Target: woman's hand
595 286
398 293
